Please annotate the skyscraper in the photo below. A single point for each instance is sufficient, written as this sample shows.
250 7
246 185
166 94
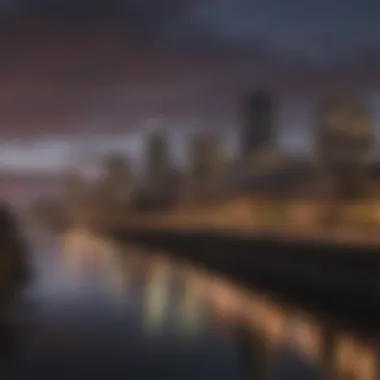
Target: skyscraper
344 132
345 142
205 155
157 157
116 184
257 113
159 183
206 165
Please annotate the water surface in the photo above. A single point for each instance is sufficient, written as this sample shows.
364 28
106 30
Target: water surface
101 310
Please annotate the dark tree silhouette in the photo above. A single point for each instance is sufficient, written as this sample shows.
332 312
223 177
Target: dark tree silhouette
13 251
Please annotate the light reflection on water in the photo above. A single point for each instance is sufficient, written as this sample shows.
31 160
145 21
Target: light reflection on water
96 300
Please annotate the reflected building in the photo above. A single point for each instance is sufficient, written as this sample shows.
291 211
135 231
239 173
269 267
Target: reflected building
156 297
257 358
116 269
73 244
355 359
82 252
190 308
306 334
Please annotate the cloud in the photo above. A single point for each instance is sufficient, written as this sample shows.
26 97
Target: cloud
318 31
141 21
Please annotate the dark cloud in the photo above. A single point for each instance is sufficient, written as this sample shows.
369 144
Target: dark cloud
141 21
321 31
316 31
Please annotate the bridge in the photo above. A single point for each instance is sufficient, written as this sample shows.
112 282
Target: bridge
333 268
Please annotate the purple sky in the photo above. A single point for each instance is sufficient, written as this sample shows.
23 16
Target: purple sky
71 66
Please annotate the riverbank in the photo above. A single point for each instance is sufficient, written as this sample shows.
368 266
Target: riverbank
338 237
305 224
321 221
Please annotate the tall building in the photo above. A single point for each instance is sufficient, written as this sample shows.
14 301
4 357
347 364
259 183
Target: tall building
159 183
345 142
206 164
205 155
116 183
344 133
156 155
257 113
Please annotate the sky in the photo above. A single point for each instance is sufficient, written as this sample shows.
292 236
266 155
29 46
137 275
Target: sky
94 66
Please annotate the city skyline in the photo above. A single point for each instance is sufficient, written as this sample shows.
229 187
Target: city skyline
56 152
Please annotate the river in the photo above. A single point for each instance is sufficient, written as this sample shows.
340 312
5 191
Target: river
98 309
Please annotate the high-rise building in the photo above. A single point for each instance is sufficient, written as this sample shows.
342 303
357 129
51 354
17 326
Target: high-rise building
116 183
257 113
205 156
157 155
344 133
345 142
159 181
206 164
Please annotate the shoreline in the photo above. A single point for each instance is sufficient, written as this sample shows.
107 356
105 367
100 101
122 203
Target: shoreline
336 237
301 222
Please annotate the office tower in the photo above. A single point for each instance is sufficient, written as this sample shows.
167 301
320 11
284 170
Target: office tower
116 183
157 157
345 141
257 118
344 132
206 165
206 155
156 296
159 173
